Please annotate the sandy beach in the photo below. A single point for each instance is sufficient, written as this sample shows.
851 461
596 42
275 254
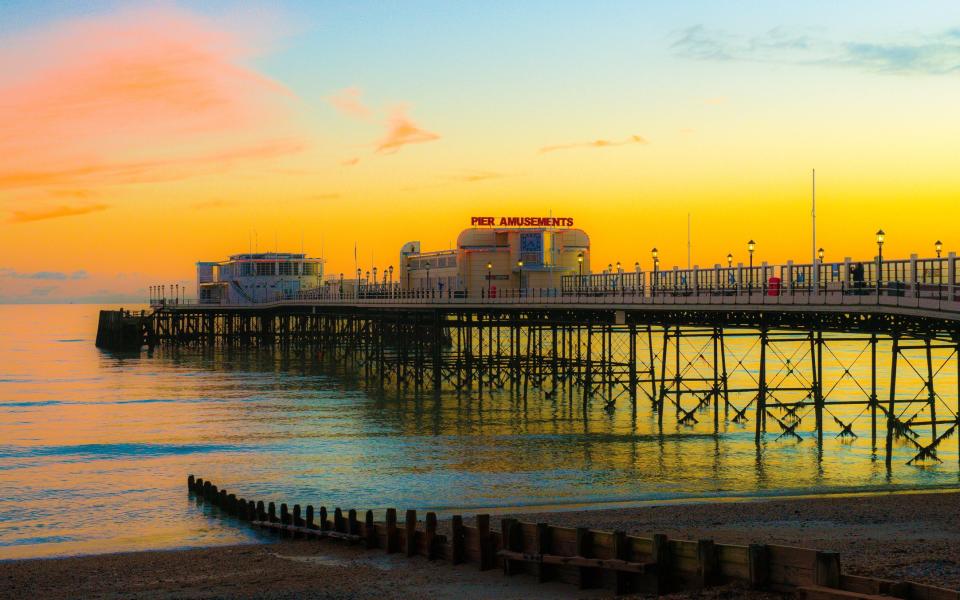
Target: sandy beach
903 536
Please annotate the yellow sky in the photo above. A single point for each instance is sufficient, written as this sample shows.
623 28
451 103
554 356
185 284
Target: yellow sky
141 140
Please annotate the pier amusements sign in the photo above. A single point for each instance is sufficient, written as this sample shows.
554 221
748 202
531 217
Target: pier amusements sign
521 221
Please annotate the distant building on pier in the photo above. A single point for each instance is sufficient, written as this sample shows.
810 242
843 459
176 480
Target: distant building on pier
258 277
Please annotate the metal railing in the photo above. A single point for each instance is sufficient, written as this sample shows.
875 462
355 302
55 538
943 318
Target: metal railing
926 297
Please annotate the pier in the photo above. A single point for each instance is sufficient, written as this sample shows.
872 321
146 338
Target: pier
611 339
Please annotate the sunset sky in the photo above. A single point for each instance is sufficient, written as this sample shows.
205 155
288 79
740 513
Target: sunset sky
137 139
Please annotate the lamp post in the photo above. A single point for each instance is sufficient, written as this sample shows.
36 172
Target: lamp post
881 236
359 272
820 258
409 269
374 276
580 278
938 246
341 285
489 277
390 270
636 268
656 264
426 265
520 268
751 246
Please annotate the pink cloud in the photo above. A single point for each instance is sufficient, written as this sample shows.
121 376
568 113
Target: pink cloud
96 97
348 102
401 131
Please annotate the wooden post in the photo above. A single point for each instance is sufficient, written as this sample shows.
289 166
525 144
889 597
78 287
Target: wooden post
542 544
353 526
828 569
297 516
369 530
511 539
392 541
759 565
338 520
272 513
430 529
324 524
206 490
310 524
661 555
221 498
190 483
251 510
410 530
456 540
231 504
706 562
284 514
587 575
261 512
621 550
486 545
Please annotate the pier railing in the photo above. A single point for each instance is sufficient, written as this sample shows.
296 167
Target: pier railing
932 298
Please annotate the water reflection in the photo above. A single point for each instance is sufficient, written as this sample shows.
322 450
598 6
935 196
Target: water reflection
96 447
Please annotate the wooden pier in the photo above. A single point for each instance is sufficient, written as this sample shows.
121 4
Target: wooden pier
675 353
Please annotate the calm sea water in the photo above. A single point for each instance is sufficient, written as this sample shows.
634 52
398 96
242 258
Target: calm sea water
95 448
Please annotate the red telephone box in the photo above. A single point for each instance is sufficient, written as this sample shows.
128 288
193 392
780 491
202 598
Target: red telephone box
493 291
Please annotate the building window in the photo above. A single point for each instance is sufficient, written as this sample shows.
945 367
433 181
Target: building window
265 269
309 268
531 248
286 268
246 269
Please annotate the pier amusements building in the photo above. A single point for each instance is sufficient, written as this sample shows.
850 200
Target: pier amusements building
499 254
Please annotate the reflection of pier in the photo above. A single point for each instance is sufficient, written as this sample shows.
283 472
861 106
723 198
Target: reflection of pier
784 376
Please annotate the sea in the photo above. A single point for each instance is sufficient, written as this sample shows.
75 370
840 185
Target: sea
96 447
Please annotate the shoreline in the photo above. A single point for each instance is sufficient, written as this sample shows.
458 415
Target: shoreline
905 536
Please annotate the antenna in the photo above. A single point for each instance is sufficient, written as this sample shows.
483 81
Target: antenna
688 240
813 241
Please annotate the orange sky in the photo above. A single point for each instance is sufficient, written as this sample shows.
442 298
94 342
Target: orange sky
137 141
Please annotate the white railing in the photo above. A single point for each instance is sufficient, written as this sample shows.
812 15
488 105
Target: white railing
927 298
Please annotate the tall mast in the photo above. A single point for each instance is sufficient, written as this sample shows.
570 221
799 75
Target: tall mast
814 280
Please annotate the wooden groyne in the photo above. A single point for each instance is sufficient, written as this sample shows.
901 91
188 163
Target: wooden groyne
580 556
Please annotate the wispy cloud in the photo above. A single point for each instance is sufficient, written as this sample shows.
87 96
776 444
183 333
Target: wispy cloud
348 102
349 162
44 275
633 139
157 169
56 212
120 97
928 54
402 131
477 176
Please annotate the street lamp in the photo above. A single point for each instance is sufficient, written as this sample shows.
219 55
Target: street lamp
520 267
390 270
489 277
820 255
374 276
751 246
341 285
426 265
656 263
636 283
938 246
880 237
729 260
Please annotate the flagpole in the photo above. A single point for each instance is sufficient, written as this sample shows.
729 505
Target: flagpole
815 279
